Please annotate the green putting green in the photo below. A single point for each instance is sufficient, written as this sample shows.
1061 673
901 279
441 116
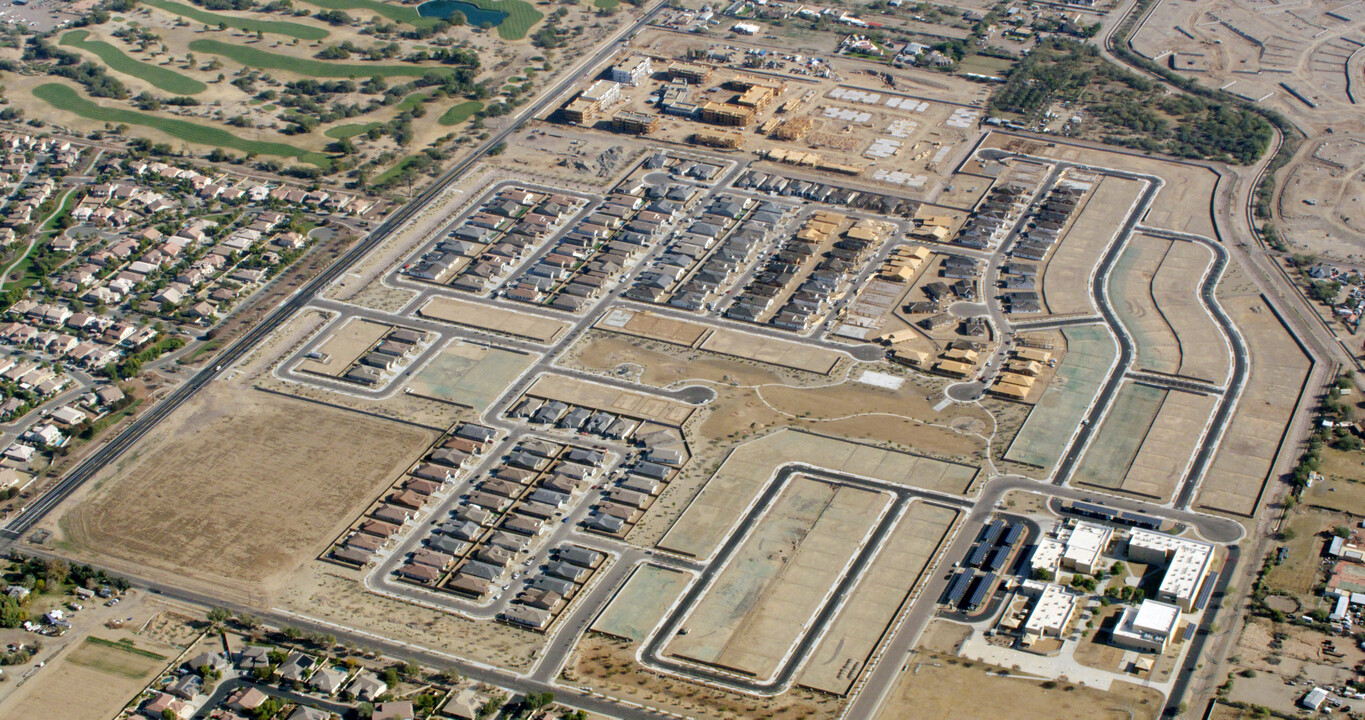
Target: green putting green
163 78
65 98
260 59
273 27
343 132
459 113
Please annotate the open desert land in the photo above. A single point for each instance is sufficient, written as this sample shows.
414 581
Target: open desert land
1155 290
1147 441
1182 204
607 665
1066 279
272 479
1275 387
1321 205
773 584
906 557
938 683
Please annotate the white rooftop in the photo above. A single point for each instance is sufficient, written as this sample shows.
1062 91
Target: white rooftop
1052 611
1156 618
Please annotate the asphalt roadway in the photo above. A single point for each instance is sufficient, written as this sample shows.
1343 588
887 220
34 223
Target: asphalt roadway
35 511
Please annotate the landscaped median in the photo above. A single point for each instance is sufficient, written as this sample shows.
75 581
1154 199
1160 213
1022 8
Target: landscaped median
163 78
262 60
274 27
65 98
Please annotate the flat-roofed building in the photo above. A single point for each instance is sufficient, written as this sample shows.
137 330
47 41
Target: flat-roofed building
1085 546
1188 563
1051 613
1148 626
632 71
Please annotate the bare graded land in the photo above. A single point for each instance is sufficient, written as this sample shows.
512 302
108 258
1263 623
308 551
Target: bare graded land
901 564
772 586
1066 282
1252 440
772 351
237 488
470 375
1146 441
1089 353
93 678
1155 291
608 665
747 469
654 327
345 345
481 316
937 683
639 605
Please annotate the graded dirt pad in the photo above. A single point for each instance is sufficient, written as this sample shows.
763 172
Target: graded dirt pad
238 488
494 319
1130 293
639 605
607 664
746 471
1279 370
1181 204
1066 282
898 568
775 581
345 346
772 351
938 685
1169 444
654 327
1106 461
1089 353
1176 287
93 679
603 397
468 374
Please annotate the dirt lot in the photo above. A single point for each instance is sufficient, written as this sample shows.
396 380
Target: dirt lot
608 665
1278 371
345 346
237 488
756 608
1066 287
898 568
486 317
939 684
640 603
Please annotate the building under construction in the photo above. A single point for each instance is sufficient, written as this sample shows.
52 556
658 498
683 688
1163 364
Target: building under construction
729 140
727 114
692 73
634 122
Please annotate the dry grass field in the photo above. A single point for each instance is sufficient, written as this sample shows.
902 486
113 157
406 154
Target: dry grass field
237 488
1146 442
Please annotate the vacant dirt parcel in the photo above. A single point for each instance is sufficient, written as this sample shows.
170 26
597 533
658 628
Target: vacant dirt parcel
1090 351
1066 283
1146 441
470 375
900 565
654 327
1279 370
603 397
94 679
640 603
749 467
772 586
494 319
238 487
1155 292
345 346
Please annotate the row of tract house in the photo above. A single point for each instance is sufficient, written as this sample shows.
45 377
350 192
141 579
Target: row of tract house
699 264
